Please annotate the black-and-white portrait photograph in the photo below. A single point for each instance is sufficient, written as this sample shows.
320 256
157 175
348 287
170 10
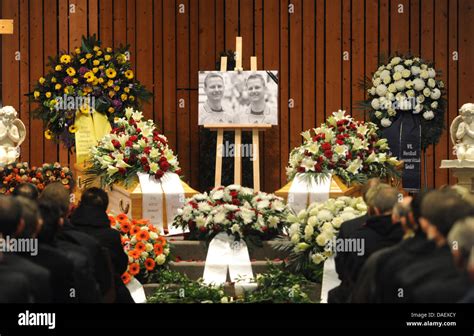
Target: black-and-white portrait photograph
232 97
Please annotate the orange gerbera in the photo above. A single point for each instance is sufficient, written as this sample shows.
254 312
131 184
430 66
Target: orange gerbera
135 254
149 264
126 277
143 235
125 227
134 268
161 240
158 248
122 217
140 246
112 220
134 230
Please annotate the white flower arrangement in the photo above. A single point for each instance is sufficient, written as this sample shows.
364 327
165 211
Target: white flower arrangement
407 84
237 210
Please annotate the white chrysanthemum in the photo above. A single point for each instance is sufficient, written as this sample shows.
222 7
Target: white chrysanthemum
381 89
336 222
400 84
200 221
217 194
428 115
231 207
263 204
345 216
375 104
302 215
247 215
324 215
317 258
219 218
436 94
273 222
235 187
415 70
235 228
204 207
385 122
278 205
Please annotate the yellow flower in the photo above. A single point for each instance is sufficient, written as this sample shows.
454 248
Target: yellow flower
121 58
96 62
107 58
72 129
129 74
41 80
77 50
71 71
131 98
127 89
101 80
96 81
111 73
110 82
109 50
48 94
83 60
111 94
48 134
75 80
36 94
117 88
58 67
66 59
88 55
58 86
89 76
123 97
111 110
101 67
85 109
94 70
53 79
96 48
99 53
87 89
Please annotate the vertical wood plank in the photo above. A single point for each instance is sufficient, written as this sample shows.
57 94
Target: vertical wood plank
182 68
295 74
399 26
93 17
415 27
358 56
441 66
427 40
346 87
119 22
36 71
131 29
220 21
371 38
106 22
144 57
24 75
193 102
246 19
231 24
308 65
452 84
384 35
63 40
333 56
320 62
466 51
50 49
158 62
284 89
271 61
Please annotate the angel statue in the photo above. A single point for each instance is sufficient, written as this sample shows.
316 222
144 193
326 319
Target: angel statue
12 135
462 133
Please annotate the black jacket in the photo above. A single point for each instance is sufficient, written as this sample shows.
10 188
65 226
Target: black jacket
95 222
14 286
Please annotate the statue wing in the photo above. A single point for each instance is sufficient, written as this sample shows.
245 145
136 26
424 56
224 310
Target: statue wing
454 128
21 130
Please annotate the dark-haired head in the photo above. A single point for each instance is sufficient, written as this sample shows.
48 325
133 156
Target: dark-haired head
95 197
26 190
10 216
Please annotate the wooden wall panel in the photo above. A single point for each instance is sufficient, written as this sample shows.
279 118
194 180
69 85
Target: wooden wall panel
305 45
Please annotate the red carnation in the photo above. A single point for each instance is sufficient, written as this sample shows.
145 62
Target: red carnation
146 168
328 154
301 169
340 122
203 229
341 129
144 160
234 193
340 142
147 150
326 146
235 201
159 174
193 204
164 165
133 138
178 171
317 167
116 143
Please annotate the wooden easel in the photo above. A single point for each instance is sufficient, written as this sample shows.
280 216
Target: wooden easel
238 128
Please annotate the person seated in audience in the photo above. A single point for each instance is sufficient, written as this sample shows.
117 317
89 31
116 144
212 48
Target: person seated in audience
51 257
424 278
27 190
14 286
377 233
91 217
94 269
20 215
349 227
461 241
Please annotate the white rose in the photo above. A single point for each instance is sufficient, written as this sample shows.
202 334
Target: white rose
385 122
428 115
372 91
295 239
381 89
426 92
411 93
391 112
409 84
312 221
308 232
317 258
424 74
406 73
399 68
420 99
378 114
431 73
376 82
397 76
418 109
431 83
387 80
384 73
419 84
408 62
395 60
321 239
160 260
415 70
375 104
424 67
400 84
392 88
336 222
436 94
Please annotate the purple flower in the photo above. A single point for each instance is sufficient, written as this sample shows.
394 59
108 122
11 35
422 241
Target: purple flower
68 80
116 103
83 70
